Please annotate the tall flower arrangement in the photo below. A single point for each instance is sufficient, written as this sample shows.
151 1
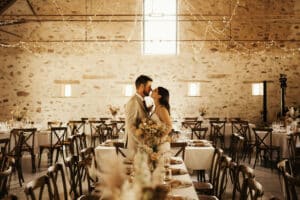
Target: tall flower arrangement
150 135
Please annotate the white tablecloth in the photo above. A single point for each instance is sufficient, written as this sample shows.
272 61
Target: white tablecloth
196 158
188 192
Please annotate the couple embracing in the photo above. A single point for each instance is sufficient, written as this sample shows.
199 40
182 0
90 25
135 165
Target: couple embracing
136 110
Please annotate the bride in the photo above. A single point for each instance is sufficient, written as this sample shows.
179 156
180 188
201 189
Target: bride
161 114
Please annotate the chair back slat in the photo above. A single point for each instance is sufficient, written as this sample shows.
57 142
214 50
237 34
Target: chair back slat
200 133
181 150
251 190
217 133
36 189
57 177
75 176
289 182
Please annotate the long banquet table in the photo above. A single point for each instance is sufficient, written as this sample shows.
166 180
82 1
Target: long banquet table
196 158
104 153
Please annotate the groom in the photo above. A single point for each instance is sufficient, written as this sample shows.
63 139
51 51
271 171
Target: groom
135 111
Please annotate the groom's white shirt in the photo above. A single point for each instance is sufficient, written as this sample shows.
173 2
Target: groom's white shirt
134 113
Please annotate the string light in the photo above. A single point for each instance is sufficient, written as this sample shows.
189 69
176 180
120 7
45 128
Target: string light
215 32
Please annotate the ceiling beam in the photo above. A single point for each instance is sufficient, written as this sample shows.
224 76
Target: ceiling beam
12 22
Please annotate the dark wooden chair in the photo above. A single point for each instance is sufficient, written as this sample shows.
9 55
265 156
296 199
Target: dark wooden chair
88 162
4 144
57 137
94 124
77 143
118 126
76 126
217 133
181 148
57 178
119 146
251 189
207 187
222 176
200 133
15 152
240 174
294 158
35 189
264 146
249 141
236 126
75 174
5 181
191 124
27 144
104 132
289 182
236 147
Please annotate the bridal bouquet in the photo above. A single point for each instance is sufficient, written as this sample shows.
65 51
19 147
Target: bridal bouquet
150 135
18 114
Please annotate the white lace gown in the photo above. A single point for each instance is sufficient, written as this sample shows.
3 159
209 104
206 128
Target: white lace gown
165 147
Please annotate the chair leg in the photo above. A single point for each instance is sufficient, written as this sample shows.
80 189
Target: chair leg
50 157
18 167
256 157
33 162
40 156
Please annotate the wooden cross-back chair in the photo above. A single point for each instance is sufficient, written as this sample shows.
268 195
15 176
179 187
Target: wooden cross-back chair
180 146
57 141
264 144
94 124
27 144
217 133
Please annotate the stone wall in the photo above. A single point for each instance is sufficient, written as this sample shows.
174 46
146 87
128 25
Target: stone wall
96 46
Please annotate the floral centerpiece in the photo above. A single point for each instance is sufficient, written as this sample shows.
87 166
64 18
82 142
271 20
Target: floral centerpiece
114 110
202 111
150 135
18 114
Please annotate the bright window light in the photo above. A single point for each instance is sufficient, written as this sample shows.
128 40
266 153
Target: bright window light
68 90
194 89
160 27
257 89
128 90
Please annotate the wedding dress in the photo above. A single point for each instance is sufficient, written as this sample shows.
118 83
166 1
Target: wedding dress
164 147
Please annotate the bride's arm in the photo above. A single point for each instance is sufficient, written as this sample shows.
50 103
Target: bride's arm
166 119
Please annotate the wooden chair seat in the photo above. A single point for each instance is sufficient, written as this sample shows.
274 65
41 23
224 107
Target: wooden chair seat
202 186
